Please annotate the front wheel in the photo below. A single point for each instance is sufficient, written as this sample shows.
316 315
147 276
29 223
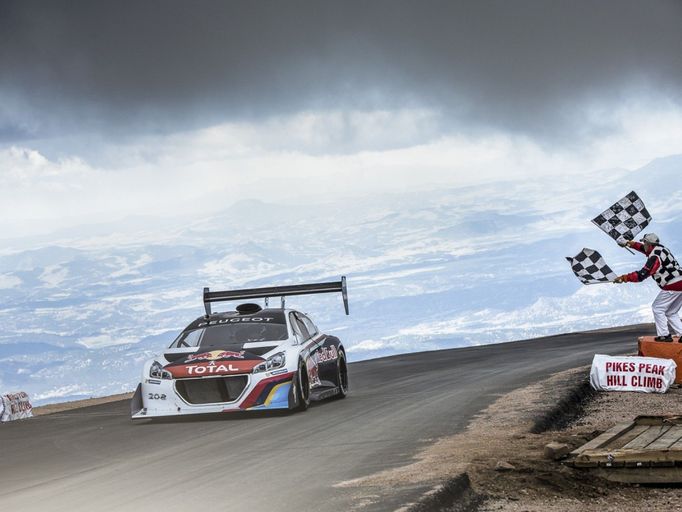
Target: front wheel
301 388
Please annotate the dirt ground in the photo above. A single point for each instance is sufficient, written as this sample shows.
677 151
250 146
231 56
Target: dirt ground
77 404
500 436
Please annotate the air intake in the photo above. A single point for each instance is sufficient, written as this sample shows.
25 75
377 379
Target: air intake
248 309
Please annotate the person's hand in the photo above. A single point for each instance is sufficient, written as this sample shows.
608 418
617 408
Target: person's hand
621 279
627 243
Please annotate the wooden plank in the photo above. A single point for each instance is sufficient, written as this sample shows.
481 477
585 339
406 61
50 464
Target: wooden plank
605 438
647 437
668 476
628 436
677 446
621 456
651 420
667 440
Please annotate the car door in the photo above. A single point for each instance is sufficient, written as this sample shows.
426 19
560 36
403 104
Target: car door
308 349
323 350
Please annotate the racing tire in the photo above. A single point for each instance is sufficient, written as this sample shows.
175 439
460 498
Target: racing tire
342 375
302 388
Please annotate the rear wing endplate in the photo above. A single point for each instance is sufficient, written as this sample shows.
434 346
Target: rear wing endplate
276 291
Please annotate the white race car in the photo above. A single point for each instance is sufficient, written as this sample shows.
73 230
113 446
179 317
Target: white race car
245 360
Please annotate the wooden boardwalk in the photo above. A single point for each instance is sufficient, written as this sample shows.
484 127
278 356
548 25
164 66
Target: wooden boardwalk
646 450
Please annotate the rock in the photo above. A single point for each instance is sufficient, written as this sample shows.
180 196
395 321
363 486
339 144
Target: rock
503 465
565 470
556 451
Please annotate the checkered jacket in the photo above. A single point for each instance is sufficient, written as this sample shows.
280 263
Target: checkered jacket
661 265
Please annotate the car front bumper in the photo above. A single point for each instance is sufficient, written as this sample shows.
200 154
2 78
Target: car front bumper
179 397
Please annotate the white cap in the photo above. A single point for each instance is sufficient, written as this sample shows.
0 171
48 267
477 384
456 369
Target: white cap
650 238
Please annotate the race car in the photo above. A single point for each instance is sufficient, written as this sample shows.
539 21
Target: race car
249 359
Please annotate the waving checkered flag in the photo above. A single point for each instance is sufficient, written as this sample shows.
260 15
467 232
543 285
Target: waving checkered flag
625 219
591 268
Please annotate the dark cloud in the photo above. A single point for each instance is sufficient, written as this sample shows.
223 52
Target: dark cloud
13 132
144 66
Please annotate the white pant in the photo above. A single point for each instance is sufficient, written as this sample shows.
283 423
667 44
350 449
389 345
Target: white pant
666 308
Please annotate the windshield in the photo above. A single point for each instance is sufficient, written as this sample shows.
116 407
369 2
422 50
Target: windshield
231 334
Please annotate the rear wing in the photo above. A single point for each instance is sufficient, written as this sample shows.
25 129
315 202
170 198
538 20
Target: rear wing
276 291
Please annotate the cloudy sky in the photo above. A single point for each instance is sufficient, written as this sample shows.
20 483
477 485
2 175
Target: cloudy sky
129 108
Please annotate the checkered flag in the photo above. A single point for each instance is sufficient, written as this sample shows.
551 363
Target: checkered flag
625 219
591 268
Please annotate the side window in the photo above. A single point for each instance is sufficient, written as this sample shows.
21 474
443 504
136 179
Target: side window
309 325
304 329
299 328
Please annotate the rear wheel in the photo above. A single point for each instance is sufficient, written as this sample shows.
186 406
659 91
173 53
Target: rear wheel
342 375
302 388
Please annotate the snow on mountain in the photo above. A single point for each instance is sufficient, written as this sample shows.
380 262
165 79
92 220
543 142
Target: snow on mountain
426 269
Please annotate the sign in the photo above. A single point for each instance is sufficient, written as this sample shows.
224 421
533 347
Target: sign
643 374
15 406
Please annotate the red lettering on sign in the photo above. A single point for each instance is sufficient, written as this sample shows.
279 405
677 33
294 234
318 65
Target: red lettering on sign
641 381
616 380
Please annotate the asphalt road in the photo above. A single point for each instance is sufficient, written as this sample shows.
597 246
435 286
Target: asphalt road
97 459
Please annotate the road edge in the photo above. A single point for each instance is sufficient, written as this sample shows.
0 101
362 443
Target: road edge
455 495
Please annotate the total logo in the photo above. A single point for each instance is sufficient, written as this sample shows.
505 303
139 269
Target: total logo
214 355
210 369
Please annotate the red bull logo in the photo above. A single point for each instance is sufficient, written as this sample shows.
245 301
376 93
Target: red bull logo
327 354
215 355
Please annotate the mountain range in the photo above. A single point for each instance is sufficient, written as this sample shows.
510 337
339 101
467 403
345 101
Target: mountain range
427 269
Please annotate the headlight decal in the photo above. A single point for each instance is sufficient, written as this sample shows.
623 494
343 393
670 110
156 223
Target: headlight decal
273 362
156 371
